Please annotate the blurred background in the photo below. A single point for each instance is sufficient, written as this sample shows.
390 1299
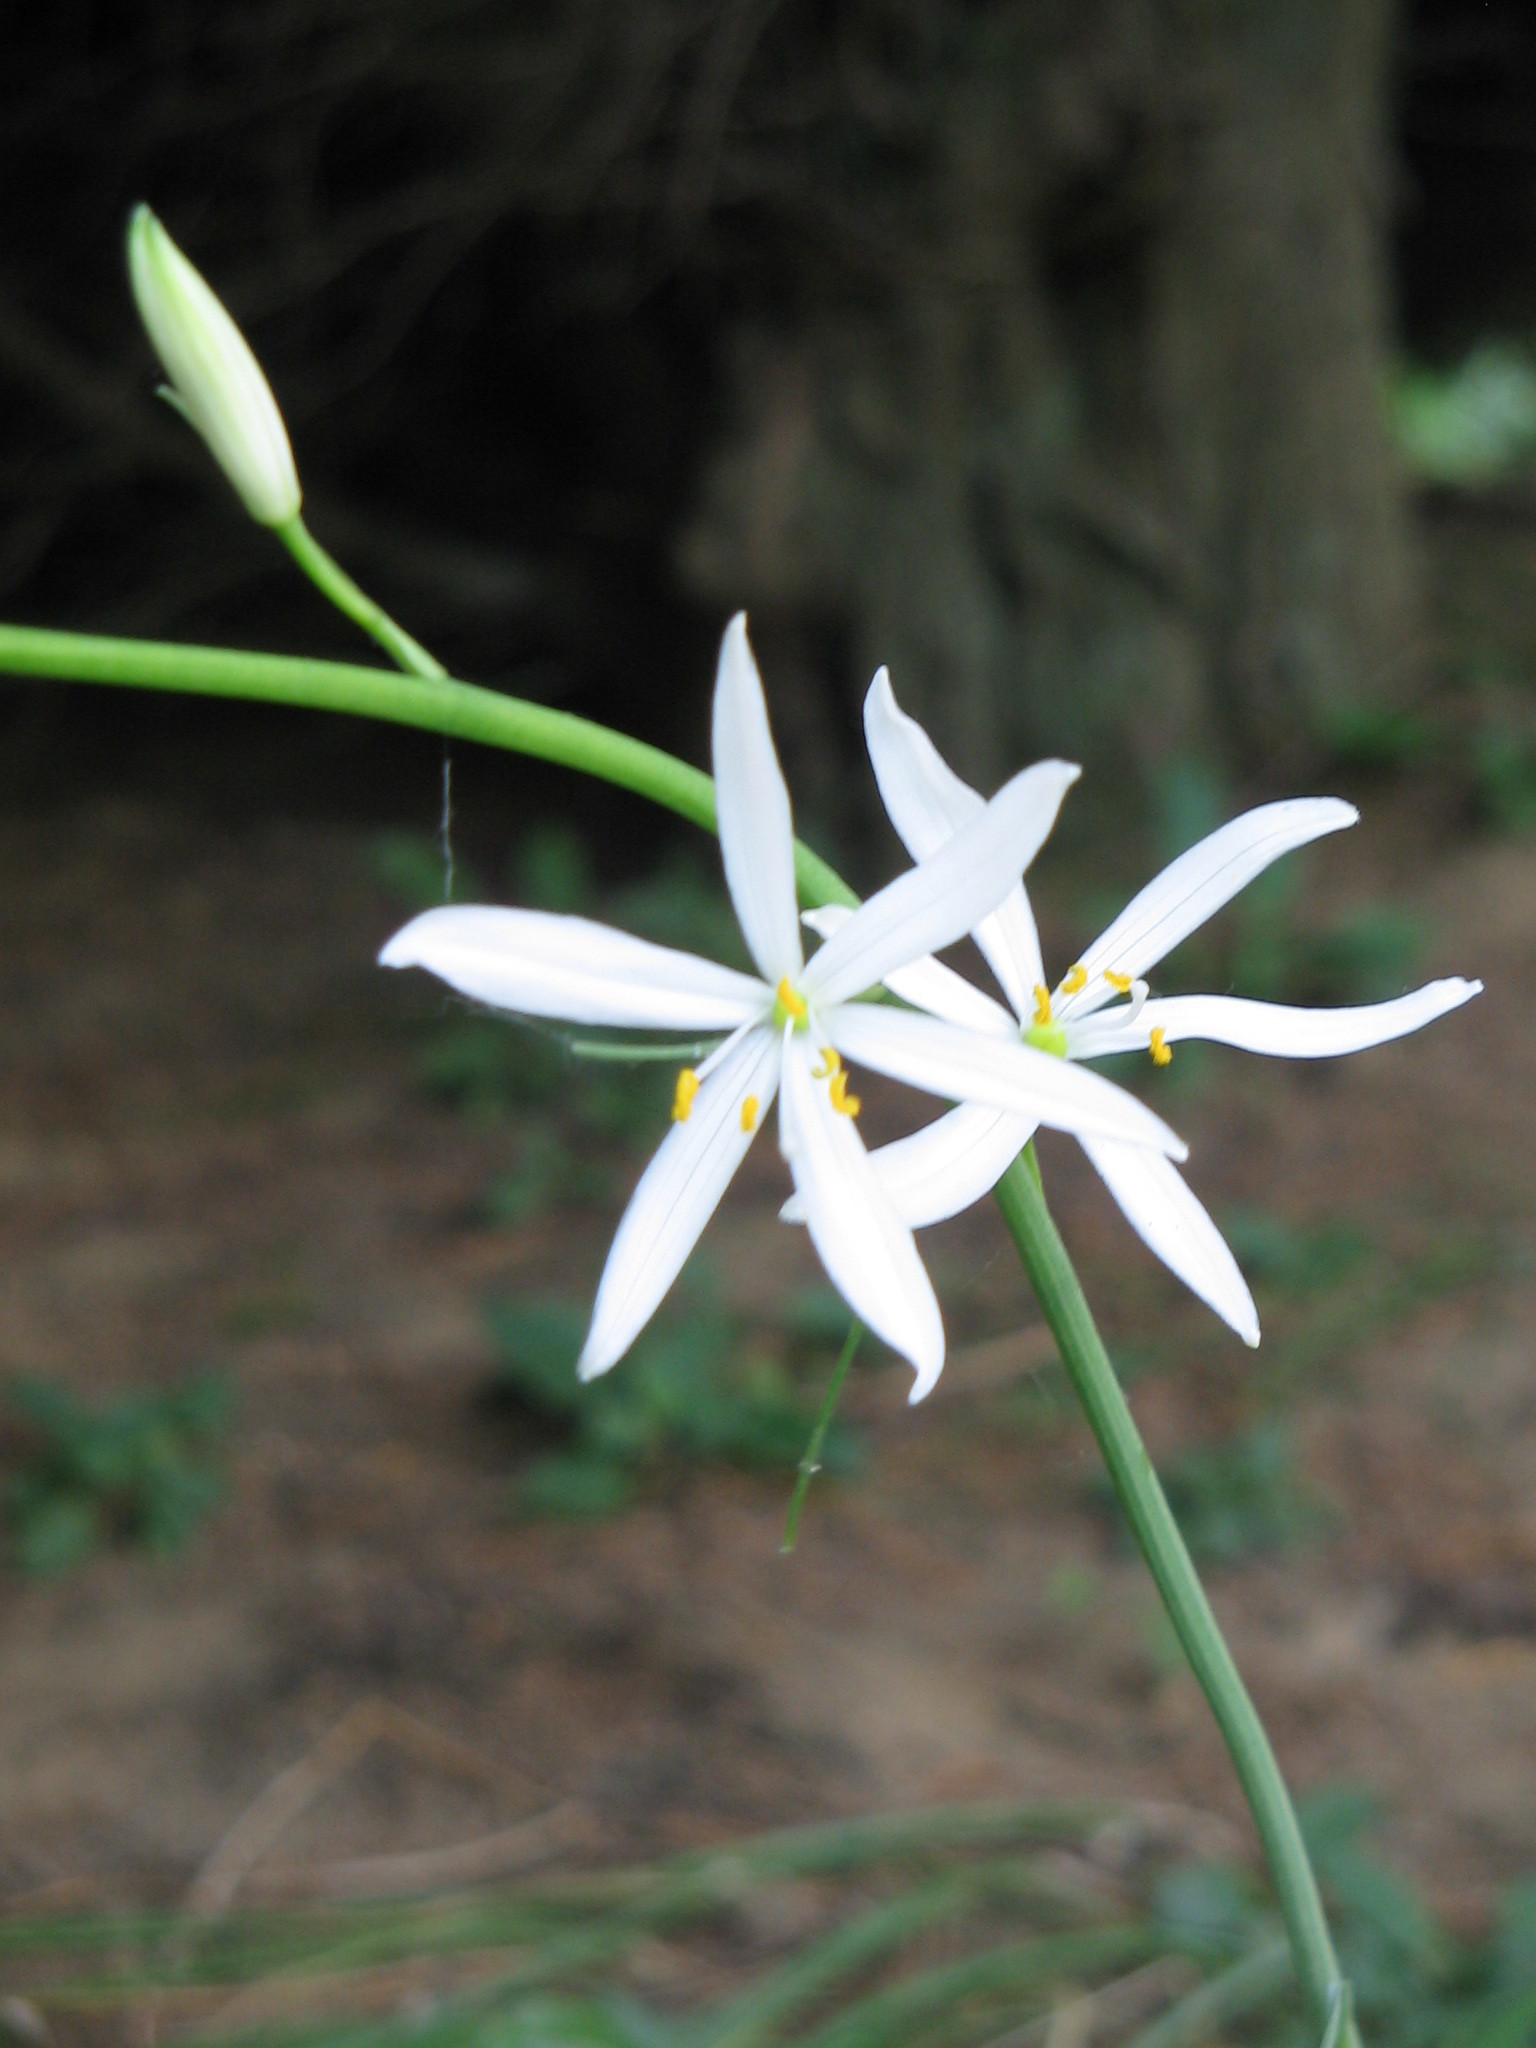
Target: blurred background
1149 381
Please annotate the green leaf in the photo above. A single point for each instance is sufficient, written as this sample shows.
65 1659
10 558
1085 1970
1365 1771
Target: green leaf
1471 426
575 1486
58 1531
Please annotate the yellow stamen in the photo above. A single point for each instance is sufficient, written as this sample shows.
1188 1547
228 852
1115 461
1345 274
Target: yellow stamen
830 1064
683 1094
749 1111
1042 1005
1160 1050
790 1001
1076 981
844 1103
1120 983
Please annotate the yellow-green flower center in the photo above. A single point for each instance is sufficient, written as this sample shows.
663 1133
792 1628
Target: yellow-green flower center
789 1006
1051 1038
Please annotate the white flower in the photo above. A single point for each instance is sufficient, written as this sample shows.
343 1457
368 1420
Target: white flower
788 1032
1103 1006
216 382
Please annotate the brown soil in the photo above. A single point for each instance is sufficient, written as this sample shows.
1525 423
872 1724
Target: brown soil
213 1151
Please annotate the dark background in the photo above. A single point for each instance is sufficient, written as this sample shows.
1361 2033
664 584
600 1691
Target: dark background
1034 349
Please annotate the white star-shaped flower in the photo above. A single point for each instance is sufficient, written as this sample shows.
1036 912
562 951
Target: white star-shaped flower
786 1032
1102 1006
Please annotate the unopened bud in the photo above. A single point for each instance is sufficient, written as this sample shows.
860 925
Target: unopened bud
215 381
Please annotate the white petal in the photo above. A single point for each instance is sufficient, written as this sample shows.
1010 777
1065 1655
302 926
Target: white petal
928 984
867 1251
962 1066
1286 1032
944 1167
1196 885
547 966
676 1196
928 803
944 896
827 918
1010 944
757 837
1168 1219
926 800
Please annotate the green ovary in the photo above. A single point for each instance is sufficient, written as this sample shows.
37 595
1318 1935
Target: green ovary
790 1006
1051 1038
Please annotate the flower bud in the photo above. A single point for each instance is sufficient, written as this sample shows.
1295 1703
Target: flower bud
215 381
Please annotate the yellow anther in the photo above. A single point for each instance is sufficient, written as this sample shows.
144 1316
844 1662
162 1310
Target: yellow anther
1076 981
830 1064
749 1111
1120 983
844 1103
1042 1005
682 1096
790 1001
1160 1049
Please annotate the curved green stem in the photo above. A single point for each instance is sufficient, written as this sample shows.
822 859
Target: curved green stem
810 1464
1021 1198
328 577
435 703
461 711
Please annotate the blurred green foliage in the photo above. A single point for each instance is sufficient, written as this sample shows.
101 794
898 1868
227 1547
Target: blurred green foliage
1338 1299
412 868
1274 955
545 1173
1244 1497
1415 1985
502 1069
1379 739
1504 775
698 1388
552 870
142 1470
944 1927
1299 1262
1486 750
1471 426
1233 1500
1323 1290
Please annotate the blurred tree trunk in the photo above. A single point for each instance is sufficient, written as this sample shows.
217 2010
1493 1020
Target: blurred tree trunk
1031 346
1092 453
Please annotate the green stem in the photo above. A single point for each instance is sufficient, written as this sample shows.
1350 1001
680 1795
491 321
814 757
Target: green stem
328 576
810 1464
1021 1198
460 711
